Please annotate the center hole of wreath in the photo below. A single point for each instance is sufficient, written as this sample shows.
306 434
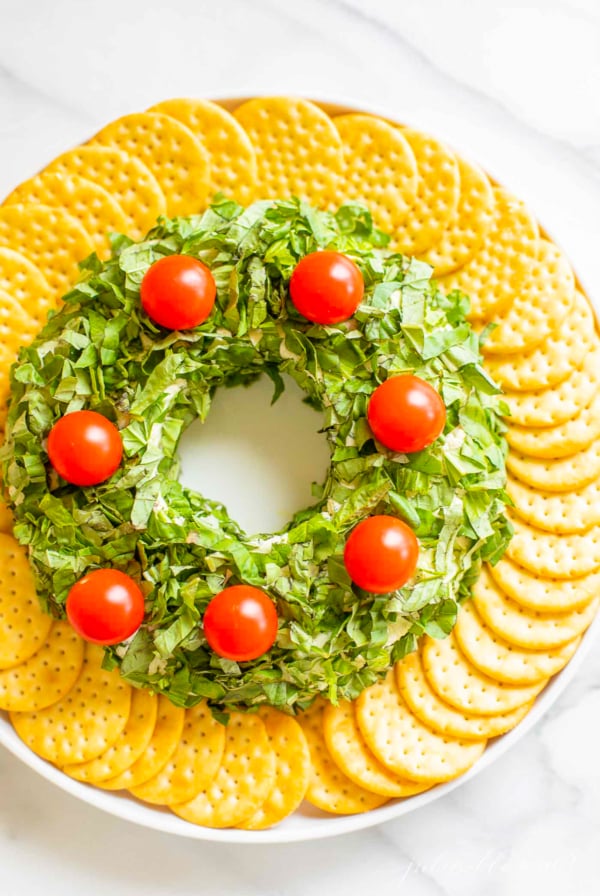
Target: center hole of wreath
257 459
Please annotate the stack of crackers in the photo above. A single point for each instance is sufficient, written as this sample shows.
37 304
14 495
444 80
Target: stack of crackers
429 720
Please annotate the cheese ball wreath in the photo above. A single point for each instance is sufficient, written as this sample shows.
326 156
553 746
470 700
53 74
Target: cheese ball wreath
103 353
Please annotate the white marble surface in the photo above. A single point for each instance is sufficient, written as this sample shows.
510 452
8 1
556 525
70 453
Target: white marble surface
518 88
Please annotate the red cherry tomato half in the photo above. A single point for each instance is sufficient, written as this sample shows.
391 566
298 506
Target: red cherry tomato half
178 292
85 448
326 287
406 414
381 554
105 606
240 623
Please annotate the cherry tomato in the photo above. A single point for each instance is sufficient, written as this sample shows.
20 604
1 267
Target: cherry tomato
85 448
381 554
406 414
105 606
178 292
240 623
326 287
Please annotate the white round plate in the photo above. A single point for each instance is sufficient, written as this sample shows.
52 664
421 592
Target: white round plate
261 467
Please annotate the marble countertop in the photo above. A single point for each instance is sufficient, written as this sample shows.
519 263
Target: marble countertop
515 87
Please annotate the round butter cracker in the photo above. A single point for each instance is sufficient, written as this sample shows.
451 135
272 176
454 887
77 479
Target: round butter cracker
24 627
548 595
551 555
554 442
26 285
560 475
559 512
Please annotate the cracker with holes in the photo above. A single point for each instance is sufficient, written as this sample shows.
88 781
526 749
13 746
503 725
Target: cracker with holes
503 660
528 628
17 329
292 771
244 780
192 766
25 284
298 149
552 442
554 359
47 676
351 754
551 555
404 744
537 592
559 512
497 273
457 681
124 177
84 723
441 717
232 157
329 788
560 475
96 210
23 624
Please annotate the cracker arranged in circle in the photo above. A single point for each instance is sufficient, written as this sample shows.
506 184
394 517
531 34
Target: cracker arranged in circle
404 744
351 754
466 229
163 743
547 595
86 722
502 660
555 442
456 680
554 359
528 628
559 475
244 779
551 407
442 718
25 283
560 512
124 177
17 329
170 151
6 523
51 239
292 771
47 676
379 169
298 149
24 626
329 788
496 274
544 302
192 766
127 748
551 555
438 193
96 210
232 157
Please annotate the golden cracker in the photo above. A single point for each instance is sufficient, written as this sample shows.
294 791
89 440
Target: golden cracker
24 626
458 682
243 781
560 475
466 230
561 441
547 595
495 275
192 766
442 718
502 660
559 512
52 240
292 771
528 628
127 748
551 555
17 329
404 744
24 283
163 743
85 722
554 359
351 754
379 169
6 526
233 168
329 788
298 150
551 407
95 209
47 676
